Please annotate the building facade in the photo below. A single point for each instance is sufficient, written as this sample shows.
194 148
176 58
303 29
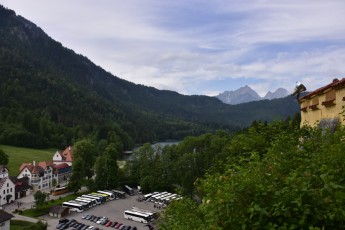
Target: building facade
324 107
7 187
40 175
5 219
65 156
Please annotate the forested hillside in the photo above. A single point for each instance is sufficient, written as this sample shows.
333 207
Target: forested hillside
274 176
51 97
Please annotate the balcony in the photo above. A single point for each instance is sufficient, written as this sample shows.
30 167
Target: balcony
314 106
304 109
35 181
329 103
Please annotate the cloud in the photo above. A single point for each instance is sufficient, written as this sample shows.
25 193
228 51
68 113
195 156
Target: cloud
199 46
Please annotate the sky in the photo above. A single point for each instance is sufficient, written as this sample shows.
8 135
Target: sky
201 47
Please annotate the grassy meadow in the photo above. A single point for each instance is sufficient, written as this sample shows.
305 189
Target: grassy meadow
18 155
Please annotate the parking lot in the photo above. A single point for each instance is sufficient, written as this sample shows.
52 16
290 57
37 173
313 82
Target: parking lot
112 209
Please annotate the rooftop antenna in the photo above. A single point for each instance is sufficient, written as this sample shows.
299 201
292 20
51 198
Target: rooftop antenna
298 89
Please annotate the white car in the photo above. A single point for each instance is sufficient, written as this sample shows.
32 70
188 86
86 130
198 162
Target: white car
101 220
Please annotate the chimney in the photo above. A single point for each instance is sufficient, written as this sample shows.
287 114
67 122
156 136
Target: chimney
69 148
34 163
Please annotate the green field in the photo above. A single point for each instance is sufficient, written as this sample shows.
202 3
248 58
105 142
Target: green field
18 155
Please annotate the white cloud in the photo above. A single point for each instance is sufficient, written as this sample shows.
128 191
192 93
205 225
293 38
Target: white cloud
187 45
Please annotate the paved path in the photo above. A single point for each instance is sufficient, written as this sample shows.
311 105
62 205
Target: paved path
25 218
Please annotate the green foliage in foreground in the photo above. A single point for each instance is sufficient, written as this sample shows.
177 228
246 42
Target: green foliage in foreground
299 183
24 225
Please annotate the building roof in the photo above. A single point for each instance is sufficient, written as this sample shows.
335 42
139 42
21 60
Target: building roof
45 164
62 165
336 83
37 169
28 165
4 216
2 181
3 167
21 184
67 154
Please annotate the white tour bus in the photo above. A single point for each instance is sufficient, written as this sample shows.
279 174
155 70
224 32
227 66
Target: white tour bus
152 214
73 206
153 198
120 194
148 196
110 194
83 203
96 199
167 200
157 198
90 202
93 201
137 216
163 199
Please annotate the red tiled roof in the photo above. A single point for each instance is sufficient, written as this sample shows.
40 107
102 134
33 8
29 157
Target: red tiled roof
37 169
67 154
60 166
334 84
28 165
44 164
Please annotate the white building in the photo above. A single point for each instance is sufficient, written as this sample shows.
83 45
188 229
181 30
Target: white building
65 156
5 220
7 187
40 175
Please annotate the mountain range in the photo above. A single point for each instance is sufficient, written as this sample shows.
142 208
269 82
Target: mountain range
51 96
246 94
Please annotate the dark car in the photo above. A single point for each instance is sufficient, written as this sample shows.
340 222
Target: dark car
63 220
59 225
113 224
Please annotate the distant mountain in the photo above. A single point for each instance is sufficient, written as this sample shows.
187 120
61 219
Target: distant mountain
279 93
246 94
51 96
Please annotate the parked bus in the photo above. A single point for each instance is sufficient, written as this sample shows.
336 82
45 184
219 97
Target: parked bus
90 202
93 201
59 191
98 200
137 216
168 199
161 198
153 214
110 194
148 196
120 194
73 206
85 204
106 197
128 190
157 198
153 198
103 198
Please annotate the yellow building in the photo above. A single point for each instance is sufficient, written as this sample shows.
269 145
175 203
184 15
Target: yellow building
324 106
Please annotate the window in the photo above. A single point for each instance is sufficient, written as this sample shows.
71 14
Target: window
314 103
304 106
330 99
